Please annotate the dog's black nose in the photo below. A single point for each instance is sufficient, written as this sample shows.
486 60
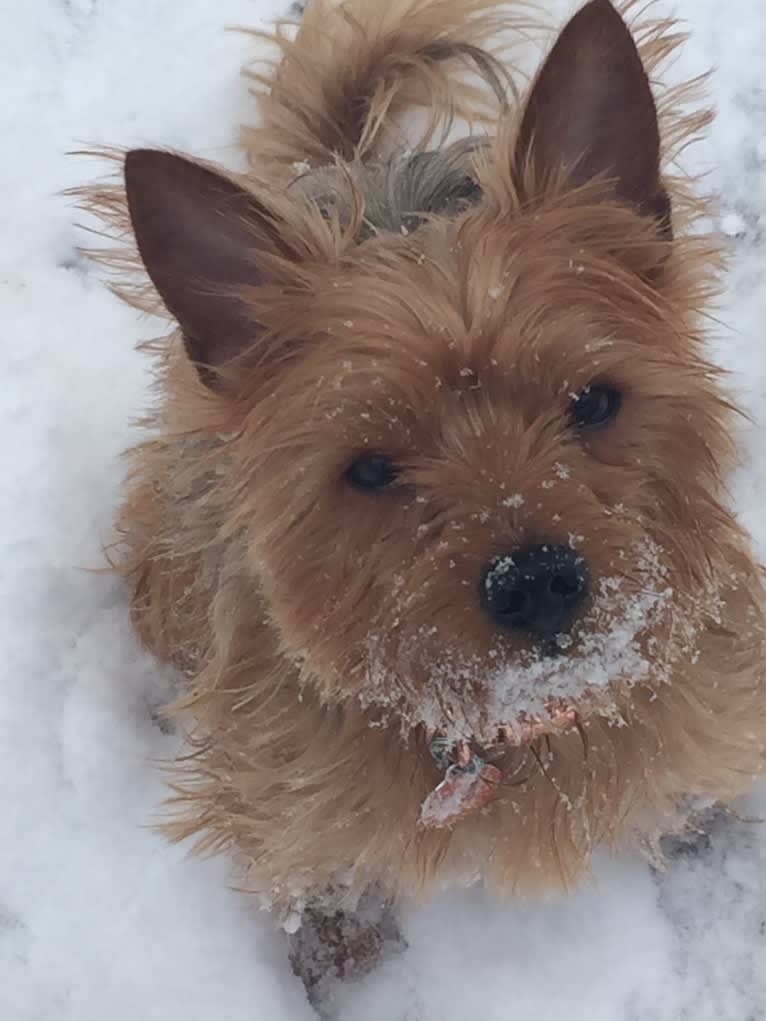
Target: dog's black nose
536 589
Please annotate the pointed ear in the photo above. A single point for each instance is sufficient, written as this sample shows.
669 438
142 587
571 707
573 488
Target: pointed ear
199 236
591 114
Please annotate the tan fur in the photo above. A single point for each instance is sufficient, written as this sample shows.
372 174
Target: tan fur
309 618
396 56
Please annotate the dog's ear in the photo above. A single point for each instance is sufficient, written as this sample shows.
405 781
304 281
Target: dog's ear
591 115
199 236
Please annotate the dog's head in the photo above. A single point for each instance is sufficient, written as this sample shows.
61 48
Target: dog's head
474 463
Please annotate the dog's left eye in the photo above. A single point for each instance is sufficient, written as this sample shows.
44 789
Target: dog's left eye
371 471
596 405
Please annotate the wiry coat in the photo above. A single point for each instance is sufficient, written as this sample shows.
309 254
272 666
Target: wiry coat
439 304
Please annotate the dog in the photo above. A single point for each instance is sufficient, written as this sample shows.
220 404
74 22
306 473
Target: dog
432 512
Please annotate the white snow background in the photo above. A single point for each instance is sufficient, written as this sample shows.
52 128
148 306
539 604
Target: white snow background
100 920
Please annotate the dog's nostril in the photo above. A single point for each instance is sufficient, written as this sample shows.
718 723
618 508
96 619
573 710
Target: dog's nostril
508 603
516 601
562 585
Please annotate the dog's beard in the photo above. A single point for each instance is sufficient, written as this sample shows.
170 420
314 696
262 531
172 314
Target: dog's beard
636 627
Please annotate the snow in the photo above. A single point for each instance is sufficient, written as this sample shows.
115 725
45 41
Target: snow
99 918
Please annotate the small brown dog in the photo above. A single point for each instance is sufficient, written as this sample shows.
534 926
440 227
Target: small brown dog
437 477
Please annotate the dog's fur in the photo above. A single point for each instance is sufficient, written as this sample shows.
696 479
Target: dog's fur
440 304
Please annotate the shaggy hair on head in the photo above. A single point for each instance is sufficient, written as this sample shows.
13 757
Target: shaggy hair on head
445 308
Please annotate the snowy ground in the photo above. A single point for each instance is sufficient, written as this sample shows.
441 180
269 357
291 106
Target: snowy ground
99 919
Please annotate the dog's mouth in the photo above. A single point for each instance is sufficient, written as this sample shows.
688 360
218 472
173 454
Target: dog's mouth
471 776
560 716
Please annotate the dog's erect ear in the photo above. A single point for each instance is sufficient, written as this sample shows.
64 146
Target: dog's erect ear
199 236
591 113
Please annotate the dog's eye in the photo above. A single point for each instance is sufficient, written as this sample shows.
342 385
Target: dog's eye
371 471
596 405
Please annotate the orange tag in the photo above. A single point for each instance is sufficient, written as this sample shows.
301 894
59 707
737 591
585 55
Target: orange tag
462 792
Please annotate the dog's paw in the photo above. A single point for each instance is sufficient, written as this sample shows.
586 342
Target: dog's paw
342 944
695 840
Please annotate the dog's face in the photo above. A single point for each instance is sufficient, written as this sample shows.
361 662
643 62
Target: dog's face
477 466
494 477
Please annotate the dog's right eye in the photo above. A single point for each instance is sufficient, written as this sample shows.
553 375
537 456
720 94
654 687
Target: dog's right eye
595 406
371 471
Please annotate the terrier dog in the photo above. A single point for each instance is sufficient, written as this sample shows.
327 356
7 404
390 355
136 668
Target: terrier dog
433 512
